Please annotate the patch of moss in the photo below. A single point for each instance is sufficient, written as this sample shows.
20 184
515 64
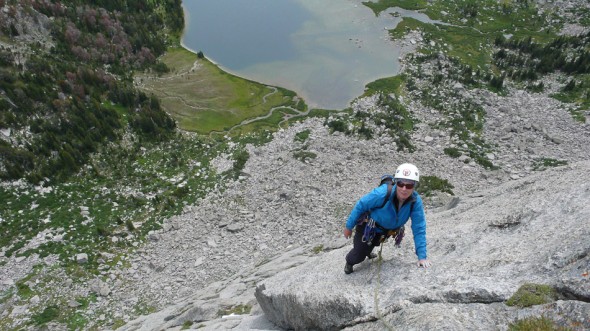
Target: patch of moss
317 249
532 294
186 325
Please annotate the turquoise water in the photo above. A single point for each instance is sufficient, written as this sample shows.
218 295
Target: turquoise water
324 50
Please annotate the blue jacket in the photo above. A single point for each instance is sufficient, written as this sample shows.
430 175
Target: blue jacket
389 218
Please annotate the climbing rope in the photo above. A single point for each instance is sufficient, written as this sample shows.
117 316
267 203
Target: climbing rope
377 288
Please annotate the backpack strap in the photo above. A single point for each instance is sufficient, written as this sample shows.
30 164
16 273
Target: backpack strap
389 180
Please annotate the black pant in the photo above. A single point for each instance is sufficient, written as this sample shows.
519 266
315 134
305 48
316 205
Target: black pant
360 250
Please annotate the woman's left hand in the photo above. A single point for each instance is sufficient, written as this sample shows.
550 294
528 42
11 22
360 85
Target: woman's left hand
424 263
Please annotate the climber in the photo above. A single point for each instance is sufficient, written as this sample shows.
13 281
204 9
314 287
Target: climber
376 219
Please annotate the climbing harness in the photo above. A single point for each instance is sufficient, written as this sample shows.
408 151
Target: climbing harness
370 231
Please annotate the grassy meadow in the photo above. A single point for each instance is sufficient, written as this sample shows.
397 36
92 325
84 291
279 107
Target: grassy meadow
203 98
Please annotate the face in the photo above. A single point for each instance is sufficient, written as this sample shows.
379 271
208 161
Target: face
404 189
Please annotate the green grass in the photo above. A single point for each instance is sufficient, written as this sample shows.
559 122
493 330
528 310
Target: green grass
318 249
203 98
386 85
382 5
464 36
536 324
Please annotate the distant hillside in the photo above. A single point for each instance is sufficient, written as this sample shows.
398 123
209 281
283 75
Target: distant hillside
66 73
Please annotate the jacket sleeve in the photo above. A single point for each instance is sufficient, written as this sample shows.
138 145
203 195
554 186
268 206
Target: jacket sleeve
366 203
419 229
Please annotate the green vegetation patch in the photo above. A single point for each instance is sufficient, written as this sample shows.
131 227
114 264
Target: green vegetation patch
528 60
47 315
125 191
390 116
467 44
452 152
532 294
387 85
235 310
302 136
318 249
536 324
429 184
303 155
544 163
382 5
186 325
203 98
240 157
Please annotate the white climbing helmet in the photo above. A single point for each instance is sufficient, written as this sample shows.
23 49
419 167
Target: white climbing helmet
407 171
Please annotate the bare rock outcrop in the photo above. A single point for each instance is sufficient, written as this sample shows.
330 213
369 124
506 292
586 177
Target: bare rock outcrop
528 231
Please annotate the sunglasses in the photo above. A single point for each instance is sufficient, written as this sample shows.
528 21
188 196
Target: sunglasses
409 186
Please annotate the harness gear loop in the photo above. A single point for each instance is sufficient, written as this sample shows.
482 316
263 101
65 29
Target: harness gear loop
369 232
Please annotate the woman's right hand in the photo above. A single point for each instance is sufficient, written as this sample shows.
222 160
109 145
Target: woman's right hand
347 233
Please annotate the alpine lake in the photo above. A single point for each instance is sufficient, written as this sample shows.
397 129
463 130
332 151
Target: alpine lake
326 51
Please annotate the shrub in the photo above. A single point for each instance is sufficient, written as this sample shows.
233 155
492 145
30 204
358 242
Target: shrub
304 156
544 163
47 315
302 136
338 125
429 184
130 226
241 157
452 152
102 231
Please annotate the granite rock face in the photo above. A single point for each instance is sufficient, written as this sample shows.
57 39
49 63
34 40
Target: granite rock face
484 246
483 250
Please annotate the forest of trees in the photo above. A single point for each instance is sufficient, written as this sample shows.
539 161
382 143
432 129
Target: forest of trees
525 59
79 93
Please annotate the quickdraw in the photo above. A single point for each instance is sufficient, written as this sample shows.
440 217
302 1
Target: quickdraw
369 233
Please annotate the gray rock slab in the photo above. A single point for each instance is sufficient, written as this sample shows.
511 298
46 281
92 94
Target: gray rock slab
476 264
